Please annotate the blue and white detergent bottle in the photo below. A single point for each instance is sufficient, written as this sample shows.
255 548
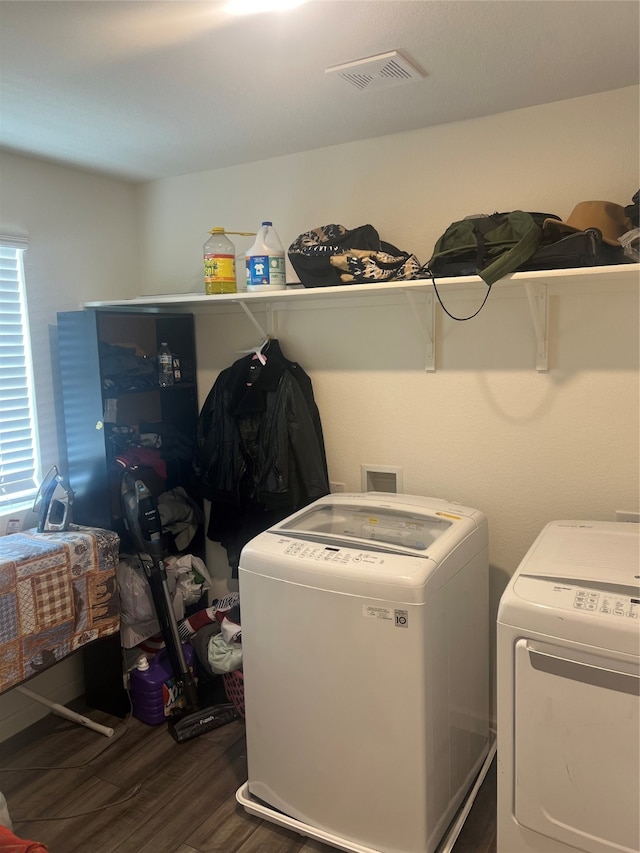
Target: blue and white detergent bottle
265 261
154 692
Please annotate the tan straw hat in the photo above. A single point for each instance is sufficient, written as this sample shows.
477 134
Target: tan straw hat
609 218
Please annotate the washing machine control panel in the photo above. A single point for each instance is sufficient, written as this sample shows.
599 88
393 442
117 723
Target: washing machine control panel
330 554
557 593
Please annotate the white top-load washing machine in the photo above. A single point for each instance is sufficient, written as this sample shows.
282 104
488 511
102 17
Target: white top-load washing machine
568 693
365 653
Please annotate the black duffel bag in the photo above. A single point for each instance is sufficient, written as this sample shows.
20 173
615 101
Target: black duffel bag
588 238
583 249
333 255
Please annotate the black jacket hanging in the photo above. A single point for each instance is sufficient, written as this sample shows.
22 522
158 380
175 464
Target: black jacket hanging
260 449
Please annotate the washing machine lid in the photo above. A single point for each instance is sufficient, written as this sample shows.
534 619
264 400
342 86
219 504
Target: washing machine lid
398 524
391 543
399 527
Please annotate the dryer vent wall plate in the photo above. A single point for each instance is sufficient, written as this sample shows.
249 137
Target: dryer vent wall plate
377 72
381 478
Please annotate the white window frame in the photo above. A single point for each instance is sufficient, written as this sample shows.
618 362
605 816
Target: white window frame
16 348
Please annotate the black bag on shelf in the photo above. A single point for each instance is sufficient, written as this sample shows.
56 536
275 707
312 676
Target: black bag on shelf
582 249
333 255
310 253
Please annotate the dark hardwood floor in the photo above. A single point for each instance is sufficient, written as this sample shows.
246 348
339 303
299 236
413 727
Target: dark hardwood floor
141 792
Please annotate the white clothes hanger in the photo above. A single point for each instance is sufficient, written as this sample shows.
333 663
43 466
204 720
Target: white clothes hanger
258 351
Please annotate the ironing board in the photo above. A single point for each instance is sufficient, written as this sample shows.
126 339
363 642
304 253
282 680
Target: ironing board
58 592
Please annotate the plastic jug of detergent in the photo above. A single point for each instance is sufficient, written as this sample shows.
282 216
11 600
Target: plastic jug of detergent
265 261
219 256
154 692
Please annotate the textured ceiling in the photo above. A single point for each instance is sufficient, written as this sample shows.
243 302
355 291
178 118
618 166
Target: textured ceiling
143 89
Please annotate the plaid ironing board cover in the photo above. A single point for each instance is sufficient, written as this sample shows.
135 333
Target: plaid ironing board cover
58 592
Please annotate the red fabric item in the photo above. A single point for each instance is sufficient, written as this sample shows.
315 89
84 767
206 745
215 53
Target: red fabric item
199 619
10 843
137 456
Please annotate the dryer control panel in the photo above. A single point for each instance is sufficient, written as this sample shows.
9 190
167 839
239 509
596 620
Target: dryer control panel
606 602
554 592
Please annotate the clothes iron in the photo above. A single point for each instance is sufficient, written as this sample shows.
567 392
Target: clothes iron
53 502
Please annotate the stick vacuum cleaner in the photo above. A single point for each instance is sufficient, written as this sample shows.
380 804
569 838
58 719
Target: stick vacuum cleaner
142 520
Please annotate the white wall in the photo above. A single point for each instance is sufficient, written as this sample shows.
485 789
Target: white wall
409 185
485 429
83 245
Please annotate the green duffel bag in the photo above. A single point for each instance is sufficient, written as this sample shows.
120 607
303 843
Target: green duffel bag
490 246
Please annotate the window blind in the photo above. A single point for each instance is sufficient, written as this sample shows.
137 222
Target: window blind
18 448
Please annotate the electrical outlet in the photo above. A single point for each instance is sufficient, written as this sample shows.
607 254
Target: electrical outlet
627 515
335 488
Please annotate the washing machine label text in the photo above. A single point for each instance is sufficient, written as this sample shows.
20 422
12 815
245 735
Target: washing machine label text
402 618
377 612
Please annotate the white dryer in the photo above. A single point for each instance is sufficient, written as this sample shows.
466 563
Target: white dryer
568 676
365 651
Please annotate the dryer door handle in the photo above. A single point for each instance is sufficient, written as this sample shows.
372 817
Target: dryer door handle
587 673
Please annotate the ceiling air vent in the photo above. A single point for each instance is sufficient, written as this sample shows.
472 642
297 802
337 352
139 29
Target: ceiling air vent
377 72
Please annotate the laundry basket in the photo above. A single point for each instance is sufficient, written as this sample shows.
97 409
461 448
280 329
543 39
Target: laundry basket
234 689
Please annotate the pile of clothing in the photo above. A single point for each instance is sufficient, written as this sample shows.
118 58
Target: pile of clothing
216 635
188 579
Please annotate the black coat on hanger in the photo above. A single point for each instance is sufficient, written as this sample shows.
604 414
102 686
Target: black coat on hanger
260 448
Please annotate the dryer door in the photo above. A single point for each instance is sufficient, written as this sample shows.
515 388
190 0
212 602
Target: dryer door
577 747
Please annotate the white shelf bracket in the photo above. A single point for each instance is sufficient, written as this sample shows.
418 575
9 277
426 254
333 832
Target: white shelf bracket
271 316
272 320
257 325
539 308
427 325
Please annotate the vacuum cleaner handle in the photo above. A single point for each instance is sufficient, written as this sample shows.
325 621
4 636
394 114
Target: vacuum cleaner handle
143 522
168 625
145 527
149 519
